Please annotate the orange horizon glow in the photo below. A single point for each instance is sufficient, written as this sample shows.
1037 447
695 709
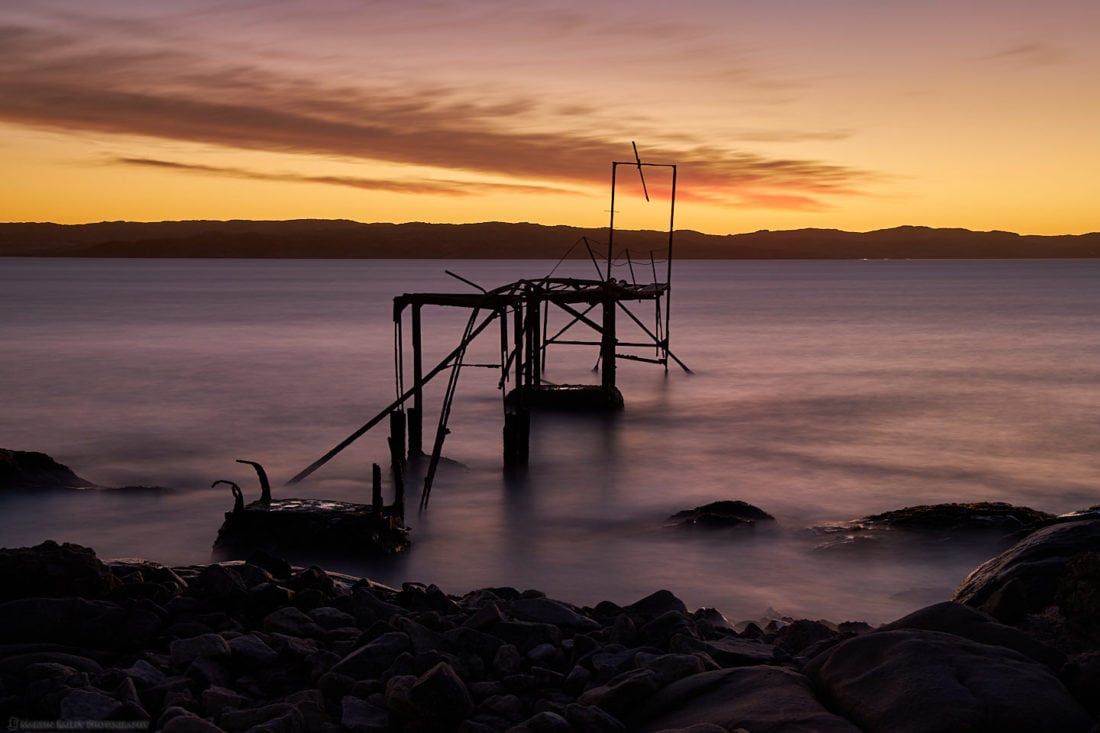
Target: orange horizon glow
861 117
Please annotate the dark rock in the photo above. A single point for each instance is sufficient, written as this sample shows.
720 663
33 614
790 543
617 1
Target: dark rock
757 699
507 660
547 611
485 616
800 634
544 722
19 663
265 598
985 515
591 719
50 570
720 514
30 470
250 651
955 618
369 608
188 723
218 700
728 652
219 585
654 605
279 716
1082 678
526 635
330 618
624 695
371 660
440 696
505 707
289 620
659 631
471 641
76 622
917 680
363 716
277 566
672 667
1025 578
185 651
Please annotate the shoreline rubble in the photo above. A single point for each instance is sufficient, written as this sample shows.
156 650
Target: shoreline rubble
260 645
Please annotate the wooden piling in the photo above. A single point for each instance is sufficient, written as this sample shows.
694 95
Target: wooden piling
416 412
376 490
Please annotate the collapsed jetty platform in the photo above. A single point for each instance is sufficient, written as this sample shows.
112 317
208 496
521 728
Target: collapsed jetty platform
588 313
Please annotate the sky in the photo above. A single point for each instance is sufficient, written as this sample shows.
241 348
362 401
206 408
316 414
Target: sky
847 114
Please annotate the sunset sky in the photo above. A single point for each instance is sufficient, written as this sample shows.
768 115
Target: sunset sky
852 114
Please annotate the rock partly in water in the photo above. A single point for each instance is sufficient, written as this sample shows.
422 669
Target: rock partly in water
718 514
974 516
31 470
1036 573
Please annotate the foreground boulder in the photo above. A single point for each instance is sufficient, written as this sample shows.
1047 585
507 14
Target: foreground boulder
757 699
1055 566
917 680
50 570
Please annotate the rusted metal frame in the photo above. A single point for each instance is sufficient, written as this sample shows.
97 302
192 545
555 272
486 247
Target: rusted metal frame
389 408
448 401
416 423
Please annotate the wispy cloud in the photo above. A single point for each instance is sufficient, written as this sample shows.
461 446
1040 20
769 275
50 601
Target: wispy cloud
52 80
411 185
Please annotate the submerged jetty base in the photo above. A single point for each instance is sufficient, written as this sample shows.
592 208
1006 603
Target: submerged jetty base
521 310
263 646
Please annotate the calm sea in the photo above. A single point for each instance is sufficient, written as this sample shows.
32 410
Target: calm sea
822 392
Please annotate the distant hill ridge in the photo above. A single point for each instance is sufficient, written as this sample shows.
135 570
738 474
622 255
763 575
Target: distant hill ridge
317 238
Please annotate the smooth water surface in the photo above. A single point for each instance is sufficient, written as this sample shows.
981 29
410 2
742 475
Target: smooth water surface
822 391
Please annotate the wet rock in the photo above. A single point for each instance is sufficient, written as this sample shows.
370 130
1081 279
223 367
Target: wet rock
83 704
289 620
654 605
547 611
330 618
591 719
50 570
969 623
1025 578
526 635
185 722
374 658
916 680
185 651
721 514
757 699
730 652
623 695
544 722
441 697
976 516
801 634
659 631
250 651
363 716
76 622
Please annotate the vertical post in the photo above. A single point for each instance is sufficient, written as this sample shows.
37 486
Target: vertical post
611 225
517 339
398 482
532 329
397 435
609 342
668 266
376 490
416 412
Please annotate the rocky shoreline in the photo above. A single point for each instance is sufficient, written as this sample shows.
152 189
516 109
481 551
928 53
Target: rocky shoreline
262 646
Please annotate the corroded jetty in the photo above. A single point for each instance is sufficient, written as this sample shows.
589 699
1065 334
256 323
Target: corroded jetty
314 525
